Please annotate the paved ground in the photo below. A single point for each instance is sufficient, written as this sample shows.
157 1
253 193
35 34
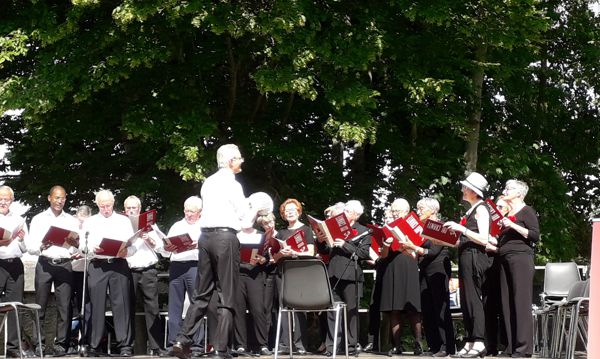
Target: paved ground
579 355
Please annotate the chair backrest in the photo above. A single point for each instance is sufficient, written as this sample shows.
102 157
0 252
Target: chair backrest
559 277
305 285
577 290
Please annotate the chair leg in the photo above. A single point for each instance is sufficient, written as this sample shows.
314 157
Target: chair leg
335 332
291 316
205 334
18 330
345 311
39 332
277 333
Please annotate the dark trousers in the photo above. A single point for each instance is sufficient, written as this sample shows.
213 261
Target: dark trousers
251 297
115 277
182 280
218 270
270 297
345 291
435 307
12 286
516 286
47 273
145 282
76 298
299 328
471 274
374 312
492 306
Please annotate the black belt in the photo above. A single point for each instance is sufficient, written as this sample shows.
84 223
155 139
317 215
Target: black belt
55 260
106 260
9 260
218 229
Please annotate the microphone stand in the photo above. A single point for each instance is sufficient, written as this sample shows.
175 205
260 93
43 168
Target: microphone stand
83 341
357 241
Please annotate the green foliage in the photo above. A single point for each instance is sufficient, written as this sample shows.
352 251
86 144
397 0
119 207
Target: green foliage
137 96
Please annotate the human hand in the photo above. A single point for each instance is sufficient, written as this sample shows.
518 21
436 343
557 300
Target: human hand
455 226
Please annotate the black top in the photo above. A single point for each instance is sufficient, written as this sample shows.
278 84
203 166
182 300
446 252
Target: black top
512 241
436 255
308 234
465 242
340 256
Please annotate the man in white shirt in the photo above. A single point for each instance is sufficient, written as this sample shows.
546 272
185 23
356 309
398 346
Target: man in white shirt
54 267
225 211
11 267
109 272
145 276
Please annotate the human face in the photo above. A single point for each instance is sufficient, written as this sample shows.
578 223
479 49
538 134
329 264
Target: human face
192 215
57 200
510 192
105 206
268 225
5 201
424 212
503 207
291 212
468 194
236 163
351 215
132 209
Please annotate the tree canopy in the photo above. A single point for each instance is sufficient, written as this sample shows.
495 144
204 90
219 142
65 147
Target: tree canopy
328 100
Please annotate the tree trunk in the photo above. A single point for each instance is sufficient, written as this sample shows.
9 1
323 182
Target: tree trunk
474 121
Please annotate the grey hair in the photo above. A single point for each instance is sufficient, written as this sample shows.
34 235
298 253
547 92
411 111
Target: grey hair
335 209
84 210
429 202
261 220
226 153
133 199
193 202
402 205
521 187
354 206
105 194
9 190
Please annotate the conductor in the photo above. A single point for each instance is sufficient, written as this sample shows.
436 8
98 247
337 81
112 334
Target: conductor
226 211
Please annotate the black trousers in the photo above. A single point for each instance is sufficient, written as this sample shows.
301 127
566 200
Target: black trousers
145 282
76 298
374 312
47 273
12 286
218 270
345 291
270 297
494 326
114 276
472 265
251 297
435 308
516 287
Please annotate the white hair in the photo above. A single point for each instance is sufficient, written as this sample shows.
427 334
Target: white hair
9 190
401 205
335 209
226 153
354 206
430 203
134 200
106 195
193 202
521 187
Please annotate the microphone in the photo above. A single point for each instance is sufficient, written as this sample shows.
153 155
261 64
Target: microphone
361 236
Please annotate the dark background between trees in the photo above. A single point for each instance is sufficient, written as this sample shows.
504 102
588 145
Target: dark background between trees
136 96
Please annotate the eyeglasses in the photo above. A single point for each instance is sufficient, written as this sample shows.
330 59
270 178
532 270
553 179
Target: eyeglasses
241 159
132 207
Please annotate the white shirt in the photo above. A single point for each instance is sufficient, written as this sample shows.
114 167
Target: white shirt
40 224
116 226
144 256
223 202
181 227
16 248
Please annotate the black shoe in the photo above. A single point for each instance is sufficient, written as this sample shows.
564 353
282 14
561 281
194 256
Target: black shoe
265 351
440 354
368 347
158 352
302 352
93 352
58 351
327 353
182 351
418 349
126 352
395 351
283 351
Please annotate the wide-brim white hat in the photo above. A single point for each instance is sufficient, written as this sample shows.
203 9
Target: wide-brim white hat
262 202
477 183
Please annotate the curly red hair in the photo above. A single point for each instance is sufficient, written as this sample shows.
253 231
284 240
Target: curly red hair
288 201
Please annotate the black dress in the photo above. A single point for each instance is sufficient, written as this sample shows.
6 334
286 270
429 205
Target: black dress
516 281
400 283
